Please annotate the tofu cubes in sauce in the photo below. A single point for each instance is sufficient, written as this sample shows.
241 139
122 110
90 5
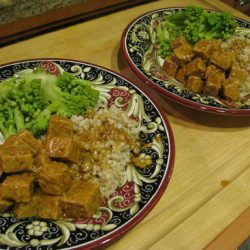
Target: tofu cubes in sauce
206 68
37 177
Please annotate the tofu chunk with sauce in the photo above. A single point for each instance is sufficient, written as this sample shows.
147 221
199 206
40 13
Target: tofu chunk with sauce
196 67
182 75
195 84
59 127
26 140
231 89
4 204
63 148
1 170
50 207
15 159
39 162
170 67
212 69
239 74
214 78
33 144
212 85
204 48
18 187
177 42
216 44
223 59
81 200
54 178
183 54
28 209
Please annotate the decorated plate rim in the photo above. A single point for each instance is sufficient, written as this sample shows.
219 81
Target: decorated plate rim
114 235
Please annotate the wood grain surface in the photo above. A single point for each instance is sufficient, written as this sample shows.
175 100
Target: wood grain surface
210 183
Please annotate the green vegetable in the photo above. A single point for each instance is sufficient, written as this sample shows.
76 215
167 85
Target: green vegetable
79 87
194 23
7 121
61 103
27 102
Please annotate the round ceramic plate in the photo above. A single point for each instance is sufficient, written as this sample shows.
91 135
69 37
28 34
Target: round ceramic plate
140 52
130 202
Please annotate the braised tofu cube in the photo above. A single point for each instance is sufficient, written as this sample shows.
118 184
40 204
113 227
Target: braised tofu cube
63 148
33 144
231 89
204 48
10 141
239 74
59 127
15 159
1 170
24 139
18 187
177 42
212 84
4 204
216 44
40 161
170 67
183 54
81 200
50 207
195 84
28 209
181 75
196 67
223 59
212 69
54 178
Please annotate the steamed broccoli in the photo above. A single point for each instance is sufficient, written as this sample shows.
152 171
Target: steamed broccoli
64 99
78 87
27 102
20 101
194 23
7 120
220 25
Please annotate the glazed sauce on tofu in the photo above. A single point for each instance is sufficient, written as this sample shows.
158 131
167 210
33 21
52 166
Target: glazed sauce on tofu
209 67
37 177
52 177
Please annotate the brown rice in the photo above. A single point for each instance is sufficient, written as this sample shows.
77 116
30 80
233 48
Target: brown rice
110 136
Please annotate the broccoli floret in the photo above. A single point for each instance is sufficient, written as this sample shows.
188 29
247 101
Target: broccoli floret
19 119
78 87
220 25
29 101
39 125
64 103
194 23
7 121
193 13
64 81
6 89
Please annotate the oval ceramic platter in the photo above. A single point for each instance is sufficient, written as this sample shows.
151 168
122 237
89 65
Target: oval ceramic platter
130 202
140 52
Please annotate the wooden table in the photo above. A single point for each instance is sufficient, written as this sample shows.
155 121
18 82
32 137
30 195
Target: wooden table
210 183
